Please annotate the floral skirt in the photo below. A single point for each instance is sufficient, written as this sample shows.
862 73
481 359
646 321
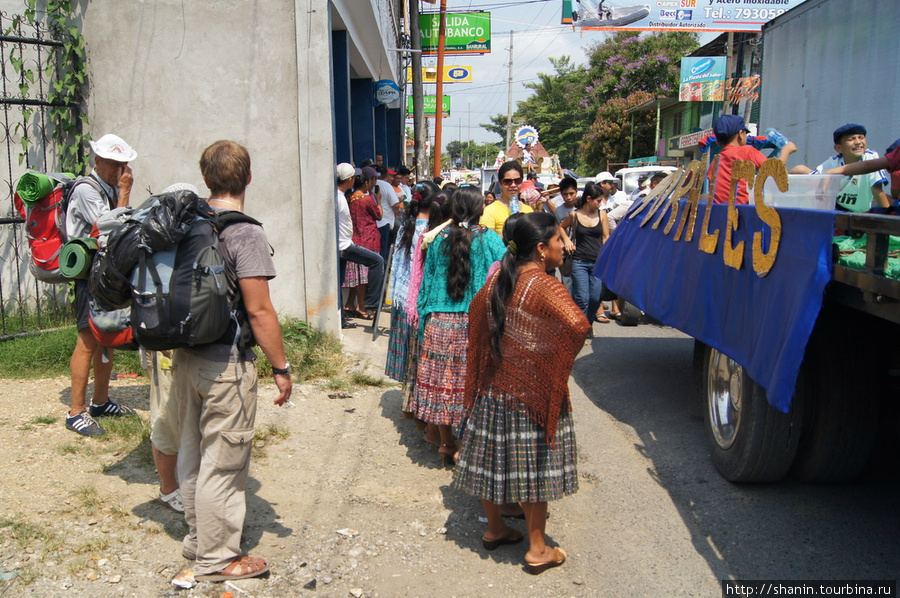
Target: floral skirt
412 369
504 456
398 345
355 275
441 376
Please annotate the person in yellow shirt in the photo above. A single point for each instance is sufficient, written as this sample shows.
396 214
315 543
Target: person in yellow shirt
510 175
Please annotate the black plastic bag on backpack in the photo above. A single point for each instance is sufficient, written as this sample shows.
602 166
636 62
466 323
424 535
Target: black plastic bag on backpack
172 217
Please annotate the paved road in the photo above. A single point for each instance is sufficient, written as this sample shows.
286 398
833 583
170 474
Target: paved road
653 517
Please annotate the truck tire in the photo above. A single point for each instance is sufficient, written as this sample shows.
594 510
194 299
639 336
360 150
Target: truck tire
697 396
751 441
631 315
841 406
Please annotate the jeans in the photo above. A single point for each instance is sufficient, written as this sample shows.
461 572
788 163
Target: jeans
385 233
375 264
586 288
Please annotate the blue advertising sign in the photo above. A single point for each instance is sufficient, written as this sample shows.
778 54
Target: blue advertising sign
702 79
674 15
386 92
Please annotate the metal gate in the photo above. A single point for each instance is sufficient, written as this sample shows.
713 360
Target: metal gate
29 67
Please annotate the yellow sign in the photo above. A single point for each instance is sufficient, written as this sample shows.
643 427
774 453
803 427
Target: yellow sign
452 74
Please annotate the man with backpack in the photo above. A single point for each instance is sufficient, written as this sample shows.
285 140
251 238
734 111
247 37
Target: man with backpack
107 187
216 384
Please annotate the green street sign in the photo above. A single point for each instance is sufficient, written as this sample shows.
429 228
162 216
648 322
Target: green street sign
467 33
430 103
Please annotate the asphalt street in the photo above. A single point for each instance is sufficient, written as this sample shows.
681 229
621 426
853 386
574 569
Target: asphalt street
653 517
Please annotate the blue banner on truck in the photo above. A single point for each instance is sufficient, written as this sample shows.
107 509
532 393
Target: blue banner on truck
760 316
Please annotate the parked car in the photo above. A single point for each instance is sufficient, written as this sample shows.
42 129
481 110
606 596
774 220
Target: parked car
630 177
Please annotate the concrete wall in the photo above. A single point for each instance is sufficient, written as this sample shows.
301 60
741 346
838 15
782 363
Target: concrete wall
171 77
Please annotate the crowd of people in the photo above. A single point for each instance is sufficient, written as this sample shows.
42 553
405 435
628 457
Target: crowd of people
492 296
483 335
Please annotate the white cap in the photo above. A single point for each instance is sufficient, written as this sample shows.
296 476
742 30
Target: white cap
345 171
181 187
604 176
113 147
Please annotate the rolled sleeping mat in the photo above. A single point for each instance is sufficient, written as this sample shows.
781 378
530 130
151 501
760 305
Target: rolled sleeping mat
76 257
33 186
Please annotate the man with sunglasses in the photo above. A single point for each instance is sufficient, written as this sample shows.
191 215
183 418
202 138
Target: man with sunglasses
494 215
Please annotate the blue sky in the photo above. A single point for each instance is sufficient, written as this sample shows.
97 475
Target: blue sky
537 34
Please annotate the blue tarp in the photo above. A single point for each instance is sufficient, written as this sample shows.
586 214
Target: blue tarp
762 323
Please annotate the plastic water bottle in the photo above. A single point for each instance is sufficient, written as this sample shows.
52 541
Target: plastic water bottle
514 207
776 138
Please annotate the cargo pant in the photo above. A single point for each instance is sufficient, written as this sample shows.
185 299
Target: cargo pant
218 410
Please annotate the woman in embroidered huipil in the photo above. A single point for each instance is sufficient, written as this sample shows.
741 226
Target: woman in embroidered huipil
456 266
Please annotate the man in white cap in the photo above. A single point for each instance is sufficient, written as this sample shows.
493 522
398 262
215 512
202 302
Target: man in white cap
348 251
107 187
607 182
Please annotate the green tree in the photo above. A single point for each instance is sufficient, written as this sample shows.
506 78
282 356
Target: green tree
471 153
609 137
498 126
624 71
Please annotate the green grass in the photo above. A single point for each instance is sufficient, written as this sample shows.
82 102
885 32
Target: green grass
88 497
97 546
271 433
363 379
47 355
128 434
44 419
19 318
25 534
339 384
265 436
312 353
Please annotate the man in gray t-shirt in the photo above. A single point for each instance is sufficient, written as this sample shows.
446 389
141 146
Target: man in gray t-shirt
217 389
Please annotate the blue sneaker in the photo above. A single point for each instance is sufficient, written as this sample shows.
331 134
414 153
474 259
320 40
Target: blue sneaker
110 409
84 424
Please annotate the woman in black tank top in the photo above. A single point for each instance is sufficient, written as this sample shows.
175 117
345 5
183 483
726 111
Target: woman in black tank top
590 229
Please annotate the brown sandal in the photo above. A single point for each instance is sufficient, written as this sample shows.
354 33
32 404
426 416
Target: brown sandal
240 568
513 536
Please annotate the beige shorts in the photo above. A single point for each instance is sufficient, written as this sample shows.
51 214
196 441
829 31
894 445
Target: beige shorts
165 423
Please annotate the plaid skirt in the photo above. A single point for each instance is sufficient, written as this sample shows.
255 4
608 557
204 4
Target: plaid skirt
355 275
409 377
398 345
441 377
504 457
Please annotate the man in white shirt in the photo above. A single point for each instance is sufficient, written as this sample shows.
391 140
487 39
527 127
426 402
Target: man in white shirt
404 176
347 250
858 193
110 188
390 209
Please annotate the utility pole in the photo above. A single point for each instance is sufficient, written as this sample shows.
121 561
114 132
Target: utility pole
509 102
420 131
439 94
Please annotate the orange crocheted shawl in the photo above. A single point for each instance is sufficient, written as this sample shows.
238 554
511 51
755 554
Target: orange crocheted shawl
544 331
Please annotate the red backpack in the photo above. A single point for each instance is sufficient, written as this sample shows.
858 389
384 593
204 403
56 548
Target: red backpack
45 224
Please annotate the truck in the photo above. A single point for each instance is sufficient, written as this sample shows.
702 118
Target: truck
795 360
796 366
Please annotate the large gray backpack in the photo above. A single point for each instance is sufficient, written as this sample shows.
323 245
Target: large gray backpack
179 292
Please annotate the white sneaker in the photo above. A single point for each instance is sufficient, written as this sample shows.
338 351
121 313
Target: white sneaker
172 500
